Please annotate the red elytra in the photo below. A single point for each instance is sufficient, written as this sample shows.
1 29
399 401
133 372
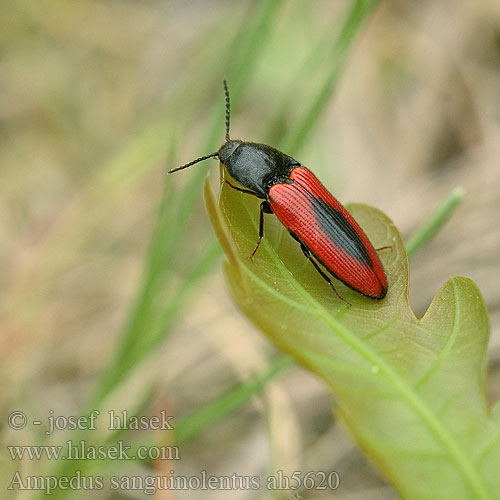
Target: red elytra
329 231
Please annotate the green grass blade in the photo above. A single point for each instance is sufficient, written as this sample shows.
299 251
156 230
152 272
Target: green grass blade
247 47
355 18
217 409
138 338
432 225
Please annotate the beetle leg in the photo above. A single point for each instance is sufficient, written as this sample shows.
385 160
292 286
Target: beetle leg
241 190
264 208
308 255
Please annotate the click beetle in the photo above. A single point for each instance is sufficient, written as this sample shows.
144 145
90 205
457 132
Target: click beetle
327 233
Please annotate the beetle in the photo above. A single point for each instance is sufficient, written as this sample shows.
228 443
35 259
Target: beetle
327 233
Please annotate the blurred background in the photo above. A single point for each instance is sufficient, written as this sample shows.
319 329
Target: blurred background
112 290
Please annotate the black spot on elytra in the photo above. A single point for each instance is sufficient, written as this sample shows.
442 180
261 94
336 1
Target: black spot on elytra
337 228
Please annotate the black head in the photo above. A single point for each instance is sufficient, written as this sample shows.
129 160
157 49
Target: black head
226 150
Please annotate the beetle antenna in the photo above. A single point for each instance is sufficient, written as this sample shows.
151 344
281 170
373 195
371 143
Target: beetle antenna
201 158
216 154
228 108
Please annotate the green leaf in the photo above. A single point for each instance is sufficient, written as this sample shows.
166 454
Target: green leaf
412 391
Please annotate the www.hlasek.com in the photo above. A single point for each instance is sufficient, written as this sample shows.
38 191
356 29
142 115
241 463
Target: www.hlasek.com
80 450
151 484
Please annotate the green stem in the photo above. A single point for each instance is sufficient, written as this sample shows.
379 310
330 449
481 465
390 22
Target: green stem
354 20
431 226
225 404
